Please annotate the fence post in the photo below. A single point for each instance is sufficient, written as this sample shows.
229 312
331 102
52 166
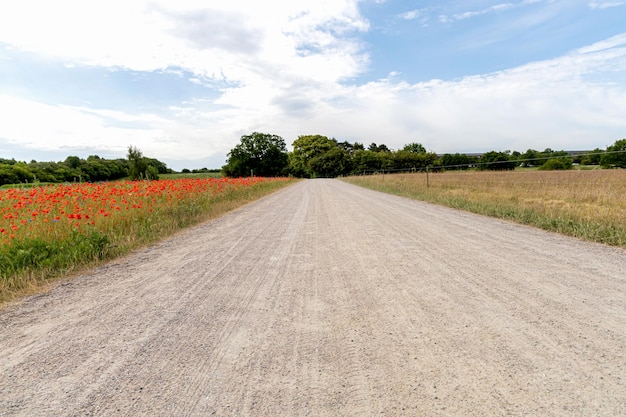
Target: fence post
427 178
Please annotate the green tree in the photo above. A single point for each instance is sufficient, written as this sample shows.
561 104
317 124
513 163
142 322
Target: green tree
118 168
7 176
364 161
259 154
22 172
94 170
72 161
160 167
592 158
615 155
306 149
414 147
456 161
557 164
498 161
378 148
152 173
531 158
44 171
333 163
409 159
137 165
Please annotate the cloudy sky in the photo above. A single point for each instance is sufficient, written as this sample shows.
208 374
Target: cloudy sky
184 80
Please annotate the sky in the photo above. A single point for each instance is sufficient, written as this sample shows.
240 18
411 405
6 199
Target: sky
183 81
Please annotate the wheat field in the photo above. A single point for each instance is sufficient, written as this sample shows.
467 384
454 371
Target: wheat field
588 204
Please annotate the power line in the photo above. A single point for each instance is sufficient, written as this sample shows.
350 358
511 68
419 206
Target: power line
477 163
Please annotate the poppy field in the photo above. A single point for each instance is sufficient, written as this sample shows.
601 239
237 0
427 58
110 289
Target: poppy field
54 229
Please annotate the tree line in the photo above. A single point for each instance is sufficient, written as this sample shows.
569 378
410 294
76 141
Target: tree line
316 156
75 169
313 156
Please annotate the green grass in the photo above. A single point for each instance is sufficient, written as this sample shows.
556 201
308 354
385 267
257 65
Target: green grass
24 185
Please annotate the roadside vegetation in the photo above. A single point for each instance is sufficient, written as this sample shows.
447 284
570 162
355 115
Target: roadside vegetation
49 231
587 204
60 217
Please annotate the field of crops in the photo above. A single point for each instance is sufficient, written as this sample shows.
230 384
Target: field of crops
588 204
49 230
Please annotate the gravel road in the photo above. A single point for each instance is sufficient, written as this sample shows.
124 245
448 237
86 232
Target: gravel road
325 299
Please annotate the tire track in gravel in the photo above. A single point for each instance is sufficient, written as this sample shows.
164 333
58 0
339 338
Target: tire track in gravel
327 299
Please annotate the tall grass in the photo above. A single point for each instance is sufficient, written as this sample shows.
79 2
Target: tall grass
590 205
51 231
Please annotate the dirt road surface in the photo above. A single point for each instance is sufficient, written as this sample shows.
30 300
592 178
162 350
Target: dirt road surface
325 299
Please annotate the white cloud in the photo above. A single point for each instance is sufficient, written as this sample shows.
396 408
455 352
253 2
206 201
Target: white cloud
289 72
605 4
612 42
45 127
411 14
494 8
233 37
500 7
563 103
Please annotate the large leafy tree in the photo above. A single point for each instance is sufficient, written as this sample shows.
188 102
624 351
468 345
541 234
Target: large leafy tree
333 163
260 154
414 148
615 155
308 157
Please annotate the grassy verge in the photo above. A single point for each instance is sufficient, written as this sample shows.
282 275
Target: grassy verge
589 205
40 251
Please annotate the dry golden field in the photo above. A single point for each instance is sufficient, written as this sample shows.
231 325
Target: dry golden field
589 204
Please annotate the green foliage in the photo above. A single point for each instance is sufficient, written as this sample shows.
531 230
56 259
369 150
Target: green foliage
36 254
318 156
592 158
497 161
615 156
259 154
22 172
159 167
309 148
533 158
152 173
530 158
137 165
72 162
410 159
333 163
75 169
457 161
557 164
378 148
368 161
414 147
